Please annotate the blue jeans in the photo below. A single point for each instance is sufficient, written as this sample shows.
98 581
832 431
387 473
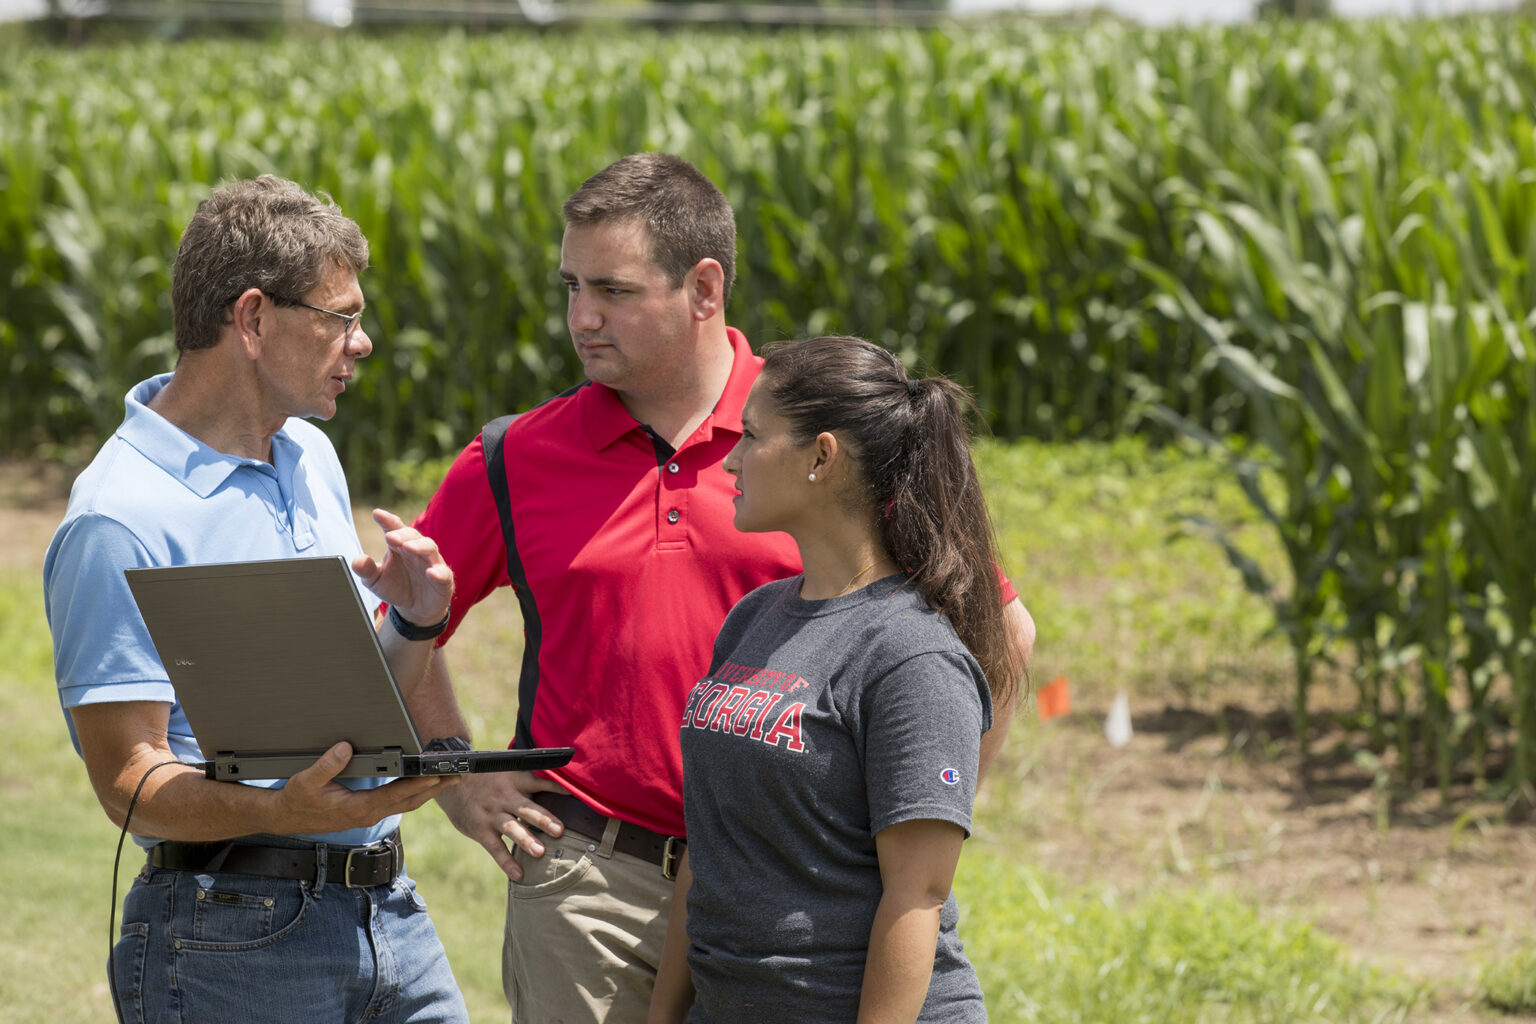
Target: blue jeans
243 949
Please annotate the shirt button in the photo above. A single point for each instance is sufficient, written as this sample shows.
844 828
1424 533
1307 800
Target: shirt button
673 516
673 467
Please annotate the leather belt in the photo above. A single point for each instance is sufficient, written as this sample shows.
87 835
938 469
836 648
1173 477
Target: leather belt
634 840
353 866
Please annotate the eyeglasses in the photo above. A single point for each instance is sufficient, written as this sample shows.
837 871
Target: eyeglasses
350 319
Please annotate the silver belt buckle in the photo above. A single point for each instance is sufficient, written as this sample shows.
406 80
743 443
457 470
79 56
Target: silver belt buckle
394 862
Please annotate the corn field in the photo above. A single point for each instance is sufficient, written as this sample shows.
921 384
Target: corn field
1310 246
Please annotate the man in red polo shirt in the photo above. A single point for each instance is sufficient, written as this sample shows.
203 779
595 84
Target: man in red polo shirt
625 561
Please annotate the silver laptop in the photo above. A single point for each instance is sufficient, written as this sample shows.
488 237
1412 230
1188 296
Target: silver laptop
274 662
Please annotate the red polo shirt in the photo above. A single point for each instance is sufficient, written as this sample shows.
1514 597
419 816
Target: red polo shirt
630 566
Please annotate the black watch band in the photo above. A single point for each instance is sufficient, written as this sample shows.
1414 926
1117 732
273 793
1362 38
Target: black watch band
411 631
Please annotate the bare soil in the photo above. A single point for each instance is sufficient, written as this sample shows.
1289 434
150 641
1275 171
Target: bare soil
32 499
1217 797
1211 796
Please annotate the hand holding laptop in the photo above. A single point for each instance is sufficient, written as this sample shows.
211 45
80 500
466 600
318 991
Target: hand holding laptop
313 801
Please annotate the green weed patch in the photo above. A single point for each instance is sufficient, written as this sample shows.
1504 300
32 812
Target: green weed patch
1051 953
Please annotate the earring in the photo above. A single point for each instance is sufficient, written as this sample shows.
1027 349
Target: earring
812 478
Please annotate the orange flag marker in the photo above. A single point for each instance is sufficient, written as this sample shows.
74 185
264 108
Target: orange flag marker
1052 699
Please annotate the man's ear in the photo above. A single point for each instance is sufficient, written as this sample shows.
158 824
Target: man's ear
706 282
253 314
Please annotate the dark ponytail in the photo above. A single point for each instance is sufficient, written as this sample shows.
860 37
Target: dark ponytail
910 442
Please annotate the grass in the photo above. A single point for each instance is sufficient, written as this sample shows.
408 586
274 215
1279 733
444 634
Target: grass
1085 533
1049 952
1508 982
1125 597
55 844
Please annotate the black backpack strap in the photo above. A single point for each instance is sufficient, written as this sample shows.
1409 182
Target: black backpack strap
493 441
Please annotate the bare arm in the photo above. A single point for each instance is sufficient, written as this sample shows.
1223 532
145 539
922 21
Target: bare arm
494 808
122 741
1021 631
433 704
491 808
673 994
917 869
415 580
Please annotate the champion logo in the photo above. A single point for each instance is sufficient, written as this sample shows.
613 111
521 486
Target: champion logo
950 777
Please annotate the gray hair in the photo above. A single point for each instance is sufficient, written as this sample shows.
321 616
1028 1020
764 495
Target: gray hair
265 233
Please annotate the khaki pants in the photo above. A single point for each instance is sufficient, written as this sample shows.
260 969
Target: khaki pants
584 933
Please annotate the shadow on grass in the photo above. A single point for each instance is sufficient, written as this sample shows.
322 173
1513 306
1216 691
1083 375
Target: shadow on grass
1347 758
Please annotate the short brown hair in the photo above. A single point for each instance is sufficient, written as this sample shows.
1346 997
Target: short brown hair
686 217
265 233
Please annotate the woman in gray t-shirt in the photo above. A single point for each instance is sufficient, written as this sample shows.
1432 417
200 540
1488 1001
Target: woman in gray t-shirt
830 756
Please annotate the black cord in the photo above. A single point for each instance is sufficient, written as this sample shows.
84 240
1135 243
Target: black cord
117 1006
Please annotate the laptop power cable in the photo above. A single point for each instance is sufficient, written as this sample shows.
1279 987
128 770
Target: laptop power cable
117 1006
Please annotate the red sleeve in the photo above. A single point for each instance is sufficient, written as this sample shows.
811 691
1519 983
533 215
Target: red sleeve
462 518
1004 584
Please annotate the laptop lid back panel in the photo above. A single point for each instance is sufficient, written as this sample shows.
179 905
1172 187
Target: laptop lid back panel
273 658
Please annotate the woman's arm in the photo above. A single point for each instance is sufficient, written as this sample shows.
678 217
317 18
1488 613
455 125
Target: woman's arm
1021 636
917 869
673 994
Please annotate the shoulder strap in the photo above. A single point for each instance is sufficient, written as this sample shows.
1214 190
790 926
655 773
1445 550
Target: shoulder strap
492 440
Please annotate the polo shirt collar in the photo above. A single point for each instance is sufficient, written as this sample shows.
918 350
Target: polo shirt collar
744 369
201 469
607 420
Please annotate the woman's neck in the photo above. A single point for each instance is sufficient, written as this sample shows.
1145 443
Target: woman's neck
838 562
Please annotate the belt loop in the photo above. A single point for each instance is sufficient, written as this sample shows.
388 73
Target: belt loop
321 862
610 836
396 855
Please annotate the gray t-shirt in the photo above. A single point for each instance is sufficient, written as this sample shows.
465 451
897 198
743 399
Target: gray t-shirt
820 724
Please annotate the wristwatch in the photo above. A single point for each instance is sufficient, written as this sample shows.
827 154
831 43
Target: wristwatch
411 631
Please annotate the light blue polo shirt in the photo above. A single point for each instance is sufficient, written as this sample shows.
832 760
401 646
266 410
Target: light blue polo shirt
155 496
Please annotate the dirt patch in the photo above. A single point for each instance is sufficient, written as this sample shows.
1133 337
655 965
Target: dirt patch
32 484
1216 797
33 495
